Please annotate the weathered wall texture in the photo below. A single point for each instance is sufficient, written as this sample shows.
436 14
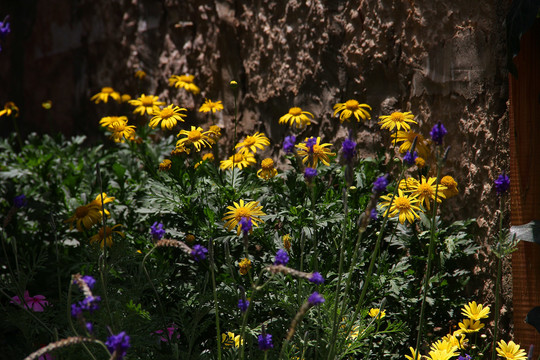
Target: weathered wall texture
442 60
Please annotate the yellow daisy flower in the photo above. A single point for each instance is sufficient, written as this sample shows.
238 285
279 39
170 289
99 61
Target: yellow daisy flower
474 311
252 143
107 121
250 210
216 132
105 236
511 351
458 339
121 130
425 190
444 345
239 160
9 109
104 94
47 105
125 98
168 117
195 137
469 326
442 354
406 139
287 242
146 104
398 120
408 184
230 340
350 108
210 106
414 355
374 312
451 186
185 82
298 117
85 217
165 165
404 206
106 200
208 157
267 170
313 151
245 266
139 74
420 162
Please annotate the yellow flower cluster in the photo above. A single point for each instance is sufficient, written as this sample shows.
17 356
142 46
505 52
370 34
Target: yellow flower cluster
416 196
451 345
86 216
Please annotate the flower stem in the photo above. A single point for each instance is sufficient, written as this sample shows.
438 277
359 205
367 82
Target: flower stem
216 308
497 282
430 258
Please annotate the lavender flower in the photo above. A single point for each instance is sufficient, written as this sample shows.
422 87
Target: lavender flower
380 184
315 299
282 258
246 224
265 342
5 29
409 158
199 252
502 184
310 142
76 310
348 149
20 201
467 357
89 327
373 215
243 305
157 231
310 173
437 133
90 303
316 278
288 144
89 280
118 344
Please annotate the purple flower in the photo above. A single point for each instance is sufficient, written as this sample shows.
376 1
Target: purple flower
409 158
502 184
373 214
265 342
89 280
5 28
89 327
437 133
288 144
118 344
20 201
199 252
310 142
170 331
348 149
76 310
243 305
46 356
315 299
467 357
380 184
35 303
310 173
246 224
90 303
282 258
157 231
316 278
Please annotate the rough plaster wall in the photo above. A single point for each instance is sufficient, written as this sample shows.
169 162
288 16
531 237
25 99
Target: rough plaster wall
444 61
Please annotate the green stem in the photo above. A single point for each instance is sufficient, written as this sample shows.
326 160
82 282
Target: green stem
216 308
430 257
374 257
